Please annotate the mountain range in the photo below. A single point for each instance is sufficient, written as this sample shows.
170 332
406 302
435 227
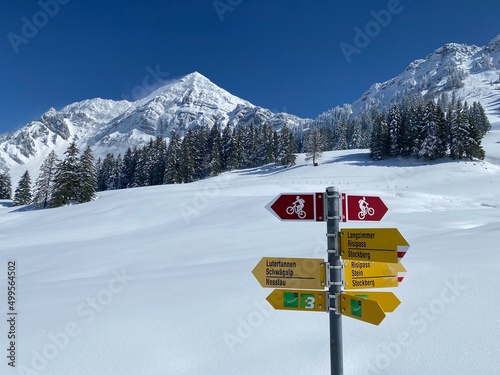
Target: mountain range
471 72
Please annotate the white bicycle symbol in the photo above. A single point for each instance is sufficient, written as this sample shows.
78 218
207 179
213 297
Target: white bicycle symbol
295 208
368 210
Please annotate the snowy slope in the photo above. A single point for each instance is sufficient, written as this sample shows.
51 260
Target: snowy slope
158 280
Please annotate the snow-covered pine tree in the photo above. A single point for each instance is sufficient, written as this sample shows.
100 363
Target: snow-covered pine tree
22 195
459 132
478 119
158 159
443 131
186 162
431 144
249 145
340 135
43 189
87 177
215 162
127 169
227 138
105 170
201 157
5 186
140 174
355 134
66 185
173 155
286 147
235 157
396 131
379 146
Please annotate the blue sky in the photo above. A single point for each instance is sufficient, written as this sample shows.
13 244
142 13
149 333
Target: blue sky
284 55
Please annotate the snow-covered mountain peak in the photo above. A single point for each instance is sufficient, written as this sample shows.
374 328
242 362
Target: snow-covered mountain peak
455 48
470 71
494 44
113 126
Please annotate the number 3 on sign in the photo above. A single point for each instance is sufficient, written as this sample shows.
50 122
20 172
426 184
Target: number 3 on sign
308 301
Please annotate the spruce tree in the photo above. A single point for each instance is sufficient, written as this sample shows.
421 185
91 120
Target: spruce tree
227 138
186 162
396 131
235 157
5 186
215 163
22 195
158 161
431 145
66 185
201 156
173 155
127 169
43 189
379 144
87 177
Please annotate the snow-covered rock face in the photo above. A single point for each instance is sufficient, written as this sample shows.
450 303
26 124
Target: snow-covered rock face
494 45
113 126
471 71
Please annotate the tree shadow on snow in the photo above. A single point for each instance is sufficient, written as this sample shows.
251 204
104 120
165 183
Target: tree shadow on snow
268 170
29 207
363 159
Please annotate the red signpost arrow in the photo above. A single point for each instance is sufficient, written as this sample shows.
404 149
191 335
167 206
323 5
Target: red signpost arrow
298 206
362 208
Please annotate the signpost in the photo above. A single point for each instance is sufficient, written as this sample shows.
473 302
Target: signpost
299 273
366 310
298 300
362 208
365 258
387 300
373 244
298 206
366 275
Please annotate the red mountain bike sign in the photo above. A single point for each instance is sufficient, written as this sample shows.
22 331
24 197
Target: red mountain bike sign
298 206
362 208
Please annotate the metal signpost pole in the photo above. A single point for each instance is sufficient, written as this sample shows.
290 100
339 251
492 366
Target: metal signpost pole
335 288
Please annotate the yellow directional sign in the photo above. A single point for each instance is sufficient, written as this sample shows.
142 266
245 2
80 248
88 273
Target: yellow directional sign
373 244
298 273
298 300
370 282
365 275
387 300
362 309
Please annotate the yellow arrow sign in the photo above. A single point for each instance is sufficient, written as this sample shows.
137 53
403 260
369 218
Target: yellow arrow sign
370 282
387 300
373 244
364 275
298 300
299 273
361 309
